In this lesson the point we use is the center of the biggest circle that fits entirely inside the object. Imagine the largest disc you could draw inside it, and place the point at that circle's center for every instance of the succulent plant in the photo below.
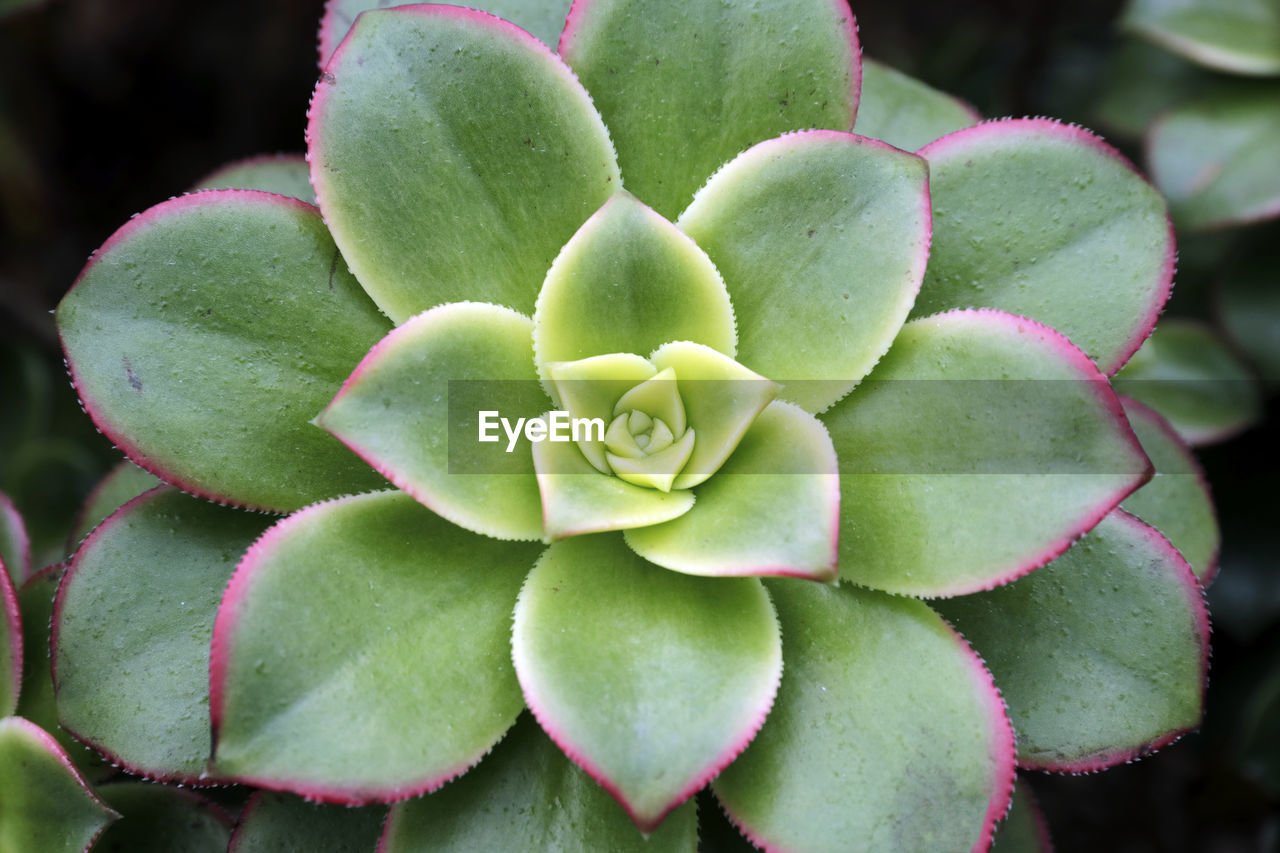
(819, 379)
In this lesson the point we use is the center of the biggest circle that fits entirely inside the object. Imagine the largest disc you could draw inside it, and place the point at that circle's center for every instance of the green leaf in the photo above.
(977, 450)
(822, 239)
(528, 796)
(886, 730)
(1177, 501)
(283, 174)
(205, 334)
(412, 408)
(47, 805)
(156, 819)
(10, 645)
(433, 200)
(685, 86)
(1140, 81)
(542, 18)
(1048, 221)
(36, 701)
(1239, 36)
(361, 652)
(1101, 655)
(1215, 159)
(905, 112)
(280, 823)
(628, 282)
(122, 484)
(650, 680)
(1186, 373)
(722, 399)
(1023, 829)
(15, 545)
(591, 387)
(132, 625)
(578, 499)
(773, 509)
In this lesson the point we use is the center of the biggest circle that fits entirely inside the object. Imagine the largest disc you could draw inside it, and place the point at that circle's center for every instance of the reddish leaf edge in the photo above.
(382, 466)
(646, 823)
(1037, 816)
(1004, 755)
(72, 569)
(1110, 401)
(13, 519)
(577, 10)
(1107, 759)
(46, 742)
(945, 145)
(1162, 423)
(118, 438)
(221, 649)
(13, 627)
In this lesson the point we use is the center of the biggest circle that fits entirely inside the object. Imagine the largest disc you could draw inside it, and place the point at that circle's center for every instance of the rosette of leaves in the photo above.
(833, 379)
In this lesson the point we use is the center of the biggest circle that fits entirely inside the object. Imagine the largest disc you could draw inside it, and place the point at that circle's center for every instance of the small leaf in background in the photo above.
(284, 174)
(122, 484)
(283, 823)
(1248, 307)
(10, 645)
(1023, 829)
(15, 545)
(1176, 501)
(47, 805)
(1239, 36)
(158, 819)
(1101, 655)
(904, 112)
(1215, 159)
(1186, 373)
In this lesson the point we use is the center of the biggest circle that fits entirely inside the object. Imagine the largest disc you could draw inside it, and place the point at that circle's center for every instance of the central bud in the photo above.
(648, 441)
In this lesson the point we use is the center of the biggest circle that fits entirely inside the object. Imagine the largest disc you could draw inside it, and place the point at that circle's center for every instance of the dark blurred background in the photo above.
(109, 106)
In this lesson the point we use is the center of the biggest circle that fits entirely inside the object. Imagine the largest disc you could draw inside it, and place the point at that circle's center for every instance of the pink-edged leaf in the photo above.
(887, 729)
(48, 806)
(1177, 501)
(1048, 221)
(528, 796)
(431, 199)
(121, 484)
(772, 509)
(651, 681)
(10, 645)
(131, 630)
(206, 333)
(684, 87)
(978, 449)
(1102, 655)
(1024, 829)
(15, 544)
(361, 652)
(822, 239)
(411, 409)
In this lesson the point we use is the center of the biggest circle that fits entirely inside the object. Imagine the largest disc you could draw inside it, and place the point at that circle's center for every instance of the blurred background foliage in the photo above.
(109, 107)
